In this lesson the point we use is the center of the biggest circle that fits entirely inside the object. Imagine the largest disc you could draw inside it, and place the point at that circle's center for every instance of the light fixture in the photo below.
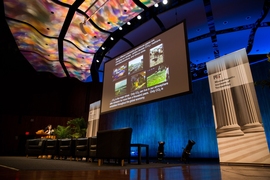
(103, 48)
(187, 150)
(111, 38)
(82, 28)
(139, 17)
(120, 28)
(87, 19)
(128, 23)
(160, 152)
(156, 5)
(165, 1)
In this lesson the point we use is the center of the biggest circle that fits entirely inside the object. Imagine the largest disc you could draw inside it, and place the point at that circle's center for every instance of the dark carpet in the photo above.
(34, 163)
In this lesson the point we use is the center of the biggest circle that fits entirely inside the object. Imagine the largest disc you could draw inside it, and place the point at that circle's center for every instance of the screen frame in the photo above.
(183, 22)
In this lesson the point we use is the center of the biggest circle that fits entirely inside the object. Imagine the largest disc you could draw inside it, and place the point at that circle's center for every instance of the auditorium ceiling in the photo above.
(73, 38)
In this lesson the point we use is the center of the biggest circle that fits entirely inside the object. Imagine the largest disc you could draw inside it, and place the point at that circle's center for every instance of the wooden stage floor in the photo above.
(191, 171)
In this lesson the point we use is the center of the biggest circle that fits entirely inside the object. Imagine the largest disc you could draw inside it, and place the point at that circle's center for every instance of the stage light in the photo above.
(139, 17)
(128, 23)
(187, 150)
(111, 38)
(156, 5)
(165, 1)
(160, 152)
(120, 28)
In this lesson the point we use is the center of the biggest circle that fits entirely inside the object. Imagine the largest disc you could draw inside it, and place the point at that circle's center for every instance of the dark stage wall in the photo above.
(179, 119)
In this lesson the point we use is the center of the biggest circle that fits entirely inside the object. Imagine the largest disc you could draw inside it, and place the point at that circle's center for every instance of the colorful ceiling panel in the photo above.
(115, 13)
(70, 2)
(89, 39)
(28, 39)
(47, 17)
(62, 37)
(95, 6)
(42, 64)
(78, 63)
(149, 3)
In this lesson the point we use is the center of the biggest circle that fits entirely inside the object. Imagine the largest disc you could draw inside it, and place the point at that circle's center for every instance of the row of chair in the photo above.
(62, 148)
(108, 144)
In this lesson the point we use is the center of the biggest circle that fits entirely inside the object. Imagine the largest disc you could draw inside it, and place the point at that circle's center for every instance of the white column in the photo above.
(226, 121)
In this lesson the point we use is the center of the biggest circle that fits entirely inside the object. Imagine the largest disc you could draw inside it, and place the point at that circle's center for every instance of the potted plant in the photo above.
(62, 132)
(77, 127)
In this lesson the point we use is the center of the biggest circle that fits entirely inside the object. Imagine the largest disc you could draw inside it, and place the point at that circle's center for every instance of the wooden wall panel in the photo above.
(14, 128)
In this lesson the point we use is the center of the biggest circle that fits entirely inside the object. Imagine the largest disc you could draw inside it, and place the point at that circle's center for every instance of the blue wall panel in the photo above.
(261, 71)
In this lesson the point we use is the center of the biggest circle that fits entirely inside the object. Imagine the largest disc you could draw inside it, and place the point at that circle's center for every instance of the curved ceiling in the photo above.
(71, 38)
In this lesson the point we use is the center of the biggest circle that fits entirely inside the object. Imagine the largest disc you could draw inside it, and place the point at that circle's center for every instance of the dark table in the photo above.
(139, 147)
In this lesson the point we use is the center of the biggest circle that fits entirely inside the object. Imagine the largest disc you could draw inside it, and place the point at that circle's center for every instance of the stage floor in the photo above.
(31, 169)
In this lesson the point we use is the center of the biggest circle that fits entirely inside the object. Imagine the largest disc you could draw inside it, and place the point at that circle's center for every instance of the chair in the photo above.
(66, 148)
(81, 148)
(113, 144)
(51, 148)
(35, 147)
(92, 148)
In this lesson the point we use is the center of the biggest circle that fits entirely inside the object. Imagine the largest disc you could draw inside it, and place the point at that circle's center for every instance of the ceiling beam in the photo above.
(63, 32)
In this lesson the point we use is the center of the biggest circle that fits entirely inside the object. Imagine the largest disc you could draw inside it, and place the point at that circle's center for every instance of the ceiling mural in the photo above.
(61, 37)
(72, 38)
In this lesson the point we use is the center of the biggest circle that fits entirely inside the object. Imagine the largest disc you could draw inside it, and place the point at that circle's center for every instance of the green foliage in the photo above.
(78, 127)
(62, 132)
(75, 128)
(156, 78)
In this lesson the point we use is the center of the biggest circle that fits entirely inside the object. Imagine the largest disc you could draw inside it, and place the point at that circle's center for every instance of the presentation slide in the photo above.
(156, 69)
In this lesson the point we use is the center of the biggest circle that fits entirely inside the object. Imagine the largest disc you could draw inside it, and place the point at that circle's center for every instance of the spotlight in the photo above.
(186, 151)
(156, 5)
(112, 38)
(160, 153)
(120, 28)
(128, 23)
(139, 17)
(165, 1)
